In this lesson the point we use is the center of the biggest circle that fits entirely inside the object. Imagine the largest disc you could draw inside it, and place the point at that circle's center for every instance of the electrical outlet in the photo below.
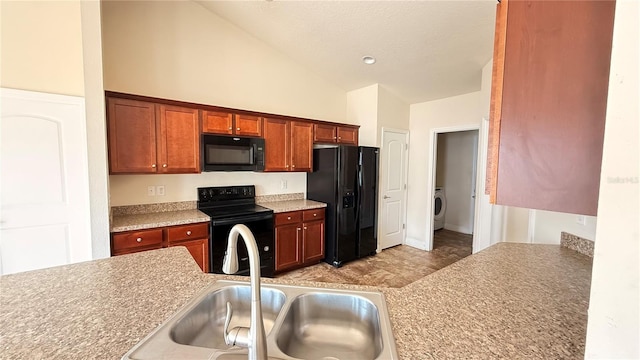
(151, 191)
(581, 219)
(283, 184)
(160, 190)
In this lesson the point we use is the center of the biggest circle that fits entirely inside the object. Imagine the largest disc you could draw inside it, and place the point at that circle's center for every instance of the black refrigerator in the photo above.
(346, 178)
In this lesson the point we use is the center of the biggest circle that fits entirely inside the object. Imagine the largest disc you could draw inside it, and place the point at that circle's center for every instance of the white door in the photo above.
(393, 180)
(44, 192)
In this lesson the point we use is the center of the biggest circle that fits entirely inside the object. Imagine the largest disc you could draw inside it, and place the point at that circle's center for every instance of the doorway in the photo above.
(456, 160)
(453, 169)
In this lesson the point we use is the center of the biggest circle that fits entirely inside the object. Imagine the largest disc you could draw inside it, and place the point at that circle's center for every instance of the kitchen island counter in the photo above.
(510, 301)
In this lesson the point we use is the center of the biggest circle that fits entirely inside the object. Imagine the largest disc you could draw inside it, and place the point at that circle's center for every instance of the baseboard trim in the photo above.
(457, 228)
(415, 243)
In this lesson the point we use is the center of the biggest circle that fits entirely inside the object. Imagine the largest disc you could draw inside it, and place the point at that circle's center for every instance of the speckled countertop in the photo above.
(137, 217)
(292, 205)
(508, 301)
(128, 222)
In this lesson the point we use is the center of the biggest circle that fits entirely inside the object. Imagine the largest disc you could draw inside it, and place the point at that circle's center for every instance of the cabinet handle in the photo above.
(139, 239)
(288, 217)
(299, 229)
(293, 166)
(188, 232)
(287, 166)
(164, 165)
(339, 137)
(238, 129)
(153, 165)
(266, 248)
(315, 214)
(230, 128)
(305, 228)
(335, 137)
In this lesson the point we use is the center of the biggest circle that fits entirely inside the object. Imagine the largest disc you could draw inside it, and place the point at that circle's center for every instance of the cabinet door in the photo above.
(179, 139)
(199, 249)
(347, 135)
(248, 125)
(132, 136)
(301, 146)
(276, 142)
(217, 122)
(313, 244)
(324, 133)
(549, 113)
(288, 242)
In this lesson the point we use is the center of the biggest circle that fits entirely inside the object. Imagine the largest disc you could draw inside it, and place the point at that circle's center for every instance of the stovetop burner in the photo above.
(229, 201)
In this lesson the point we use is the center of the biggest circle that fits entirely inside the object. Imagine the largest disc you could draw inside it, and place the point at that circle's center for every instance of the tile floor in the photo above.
(393, 267)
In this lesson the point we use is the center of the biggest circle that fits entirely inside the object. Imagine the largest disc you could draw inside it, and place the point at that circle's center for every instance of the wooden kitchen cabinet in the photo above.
(195, 237)
(149, 138)
(299, 238)
(333, 134)
(226, 123)
(548, 104)
(288, 145)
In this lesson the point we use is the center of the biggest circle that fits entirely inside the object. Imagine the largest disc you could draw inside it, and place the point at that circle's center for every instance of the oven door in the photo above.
(262, 228)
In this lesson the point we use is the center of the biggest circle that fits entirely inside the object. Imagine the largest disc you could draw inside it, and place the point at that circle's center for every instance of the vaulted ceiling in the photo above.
(425, 50)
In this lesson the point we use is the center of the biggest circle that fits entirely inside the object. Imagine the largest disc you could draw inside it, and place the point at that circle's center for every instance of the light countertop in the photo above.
(508, 301)
(147, 220)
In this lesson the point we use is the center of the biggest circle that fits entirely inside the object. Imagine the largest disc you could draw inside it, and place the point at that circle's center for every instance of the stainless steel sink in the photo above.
(331, 326)
(203, 324)
(300, 323)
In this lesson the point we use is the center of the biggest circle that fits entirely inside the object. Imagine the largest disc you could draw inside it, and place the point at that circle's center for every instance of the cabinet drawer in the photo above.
(187, 232)
(137, 239)
(288, 218)
(313, 214)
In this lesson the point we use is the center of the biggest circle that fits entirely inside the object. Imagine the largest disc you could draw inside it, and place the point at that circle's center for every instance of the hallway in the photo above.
(393, 267)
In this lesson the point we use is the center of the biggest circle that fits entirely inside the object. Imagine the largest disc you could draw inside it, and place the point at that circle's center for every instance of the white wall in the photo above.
(450, 113)
(132, 189)
(55, 47)
(393, 113)
(179, 50)
(613, 328)
(42, 46)
(182, 51)
(362, 109)
(549, 225)
(456, 151)
(96, 129)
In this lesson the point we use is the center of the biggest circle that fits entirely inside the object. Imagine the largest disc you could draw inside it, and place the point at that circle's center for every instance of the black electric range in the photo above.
(231, 205)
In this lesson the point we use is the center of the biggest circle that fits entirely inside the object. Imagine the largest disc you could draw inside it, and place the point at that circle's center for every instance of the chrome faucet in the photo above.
(253, 337)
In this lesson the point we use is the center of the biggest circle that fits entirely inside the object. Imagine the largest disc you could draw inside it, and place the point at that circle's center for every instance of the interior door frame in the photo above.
(383, 172)
(431, 174)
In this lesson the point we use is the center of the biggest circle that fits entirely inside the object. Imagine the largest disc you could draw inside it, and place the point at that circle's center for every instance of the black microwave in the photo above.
(232, 153)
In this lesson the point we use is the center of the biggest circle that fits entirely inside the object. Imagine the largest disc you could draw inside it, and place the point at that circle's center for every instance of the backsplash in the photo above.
(573, 242)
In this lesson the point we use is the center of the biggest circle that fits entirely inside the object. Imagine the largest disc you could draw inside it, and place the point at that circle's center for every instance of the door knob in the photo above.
(386, 197)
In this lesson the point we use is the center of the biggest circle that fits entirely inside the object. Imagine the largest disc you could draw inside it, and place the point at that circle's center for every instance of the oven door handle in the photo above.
(240, 219)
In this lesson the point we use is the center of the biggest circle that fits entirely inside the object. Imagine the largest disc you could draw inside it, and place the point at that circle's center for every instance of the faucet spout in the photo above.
(256, 340)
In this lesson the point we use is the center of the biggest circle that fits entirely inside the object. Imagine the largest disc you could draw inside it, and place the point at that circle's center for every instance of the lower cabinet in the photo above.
(195, 237)
(299, 238)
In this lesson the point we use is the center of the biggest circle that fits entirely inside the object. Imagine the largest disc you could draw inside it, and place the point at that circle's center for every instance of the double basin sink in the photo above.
(300, 323)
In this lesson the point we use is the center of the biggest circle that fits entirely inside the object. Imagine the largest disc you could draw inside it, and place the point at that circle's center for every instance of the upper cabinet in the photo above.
(226, 123)
(548, 103)
(332, 134)
(150, 135)
(288, 145)
(152, 138)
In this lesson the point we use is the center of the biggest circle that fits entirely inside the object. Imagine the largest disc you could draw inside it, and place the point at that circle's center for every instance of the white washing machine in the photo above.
(440, 207)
